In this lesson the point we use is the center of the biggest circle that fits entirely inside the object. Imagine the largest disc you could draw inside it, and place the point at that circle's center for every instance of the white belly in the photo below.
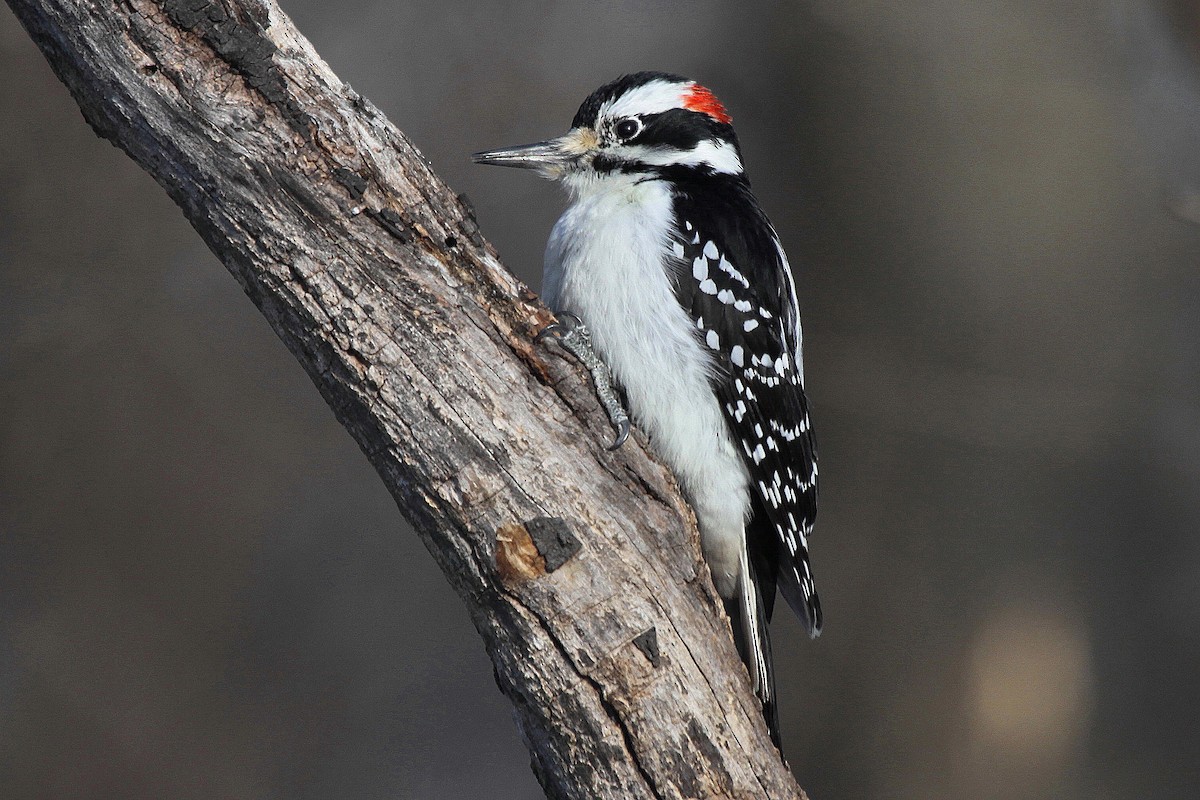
(604, 263)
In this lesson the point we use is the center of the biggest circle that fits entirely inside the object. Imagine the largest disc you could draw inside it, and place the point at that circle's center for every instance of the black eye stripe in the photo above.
(677, 128)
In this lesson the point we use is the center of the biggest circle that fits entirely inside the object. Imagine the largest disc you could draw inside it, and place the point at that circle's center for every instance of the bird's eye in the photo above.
(628, 128)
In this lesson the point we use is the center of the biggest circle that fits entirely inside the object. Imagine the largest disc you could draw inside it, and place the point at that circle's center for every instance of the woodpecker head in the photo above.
(649, 124)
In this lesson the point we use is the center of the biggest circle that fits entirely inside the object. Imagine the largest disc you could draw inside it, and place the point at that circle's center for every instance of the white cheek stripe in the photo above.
(717, 155)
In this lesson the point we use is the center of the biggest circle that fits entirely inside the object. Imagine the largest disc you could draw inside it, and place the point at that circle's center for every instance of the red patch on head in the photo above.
(698, 98)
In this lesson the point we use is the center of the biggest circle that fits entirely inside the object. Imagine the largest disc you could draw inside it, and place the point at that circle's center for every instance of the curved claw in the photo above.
(573, 336)
(553, 329)
(559, 330)
(622, 433)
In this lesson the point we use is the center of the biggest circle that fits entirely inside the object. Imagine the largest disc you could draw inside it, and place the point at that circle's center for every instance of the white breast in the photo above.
(605, 264)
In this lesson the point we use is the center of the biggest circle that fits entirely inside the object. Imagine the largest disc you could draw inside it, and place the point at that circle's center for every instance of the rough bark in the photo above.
(580, 567)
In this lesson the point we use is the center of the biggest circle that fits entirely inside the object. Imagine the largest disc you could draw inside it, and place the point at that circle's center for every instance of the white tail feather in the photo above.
(754, 630)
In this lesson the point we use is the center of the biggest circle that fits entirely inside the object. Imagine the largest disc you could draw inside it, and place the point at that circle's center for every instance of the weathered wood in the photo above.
(580, 567)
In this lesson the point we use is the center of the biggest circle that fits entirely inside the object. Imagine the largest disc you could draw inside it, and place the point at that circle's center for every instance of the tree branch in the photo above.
(580, 567)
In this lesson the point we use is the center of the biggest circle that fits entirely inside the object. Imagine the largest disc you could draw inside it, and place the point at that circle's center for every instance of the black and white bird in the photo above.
(666, 266)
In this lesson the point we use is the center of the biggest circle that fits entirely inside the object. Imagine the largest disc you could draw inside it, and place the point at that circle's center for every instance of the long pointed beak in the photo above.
(548, 156)
(551, 158)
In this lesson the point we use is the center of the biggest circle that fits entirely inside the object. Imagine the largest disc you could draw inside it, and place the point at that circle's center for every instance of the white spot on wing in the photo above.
(732, 272)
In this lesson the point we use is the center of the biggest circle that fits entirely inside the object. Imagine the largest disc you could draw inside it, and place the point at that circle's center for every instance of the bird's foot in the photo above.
(574, 337)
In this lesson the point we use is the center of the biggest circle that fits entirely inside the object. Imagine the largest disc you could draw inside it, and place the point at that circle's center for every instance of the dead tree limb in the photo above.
(580, 567)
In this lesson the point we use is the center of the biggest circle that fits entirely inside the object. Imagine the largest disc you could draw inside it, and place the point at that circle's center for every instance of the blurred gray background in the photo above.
(992, 210)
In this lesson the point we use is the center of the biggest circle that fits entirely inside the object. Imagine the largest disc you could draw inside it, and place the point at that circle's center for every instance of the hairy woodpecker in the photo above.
(665, 263)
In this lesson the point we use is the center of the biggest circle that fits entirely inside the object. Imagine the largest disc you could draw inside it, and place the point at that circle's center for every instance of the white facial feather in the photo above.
(717, 155)
(654, 97)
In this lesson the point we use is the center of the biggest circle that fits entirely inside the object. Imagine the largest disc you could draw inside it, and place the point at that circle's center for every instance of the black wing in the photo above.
(733, 277)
